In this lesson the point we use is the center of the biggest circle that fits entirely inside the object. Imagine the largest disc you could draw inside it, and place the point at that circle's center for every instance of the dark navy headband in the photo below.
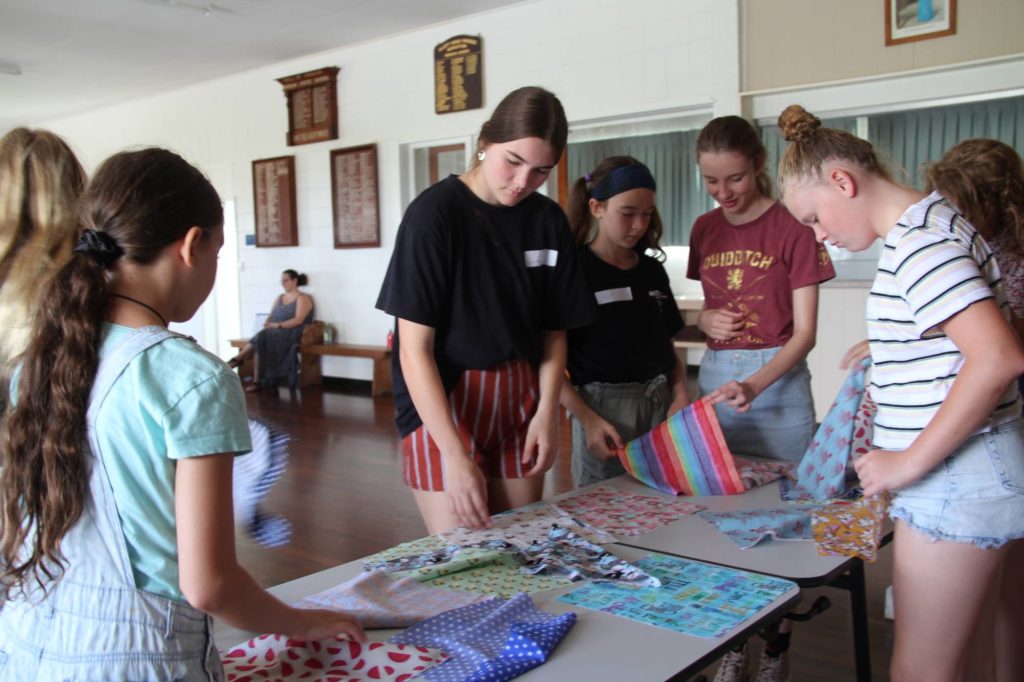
(623, 179)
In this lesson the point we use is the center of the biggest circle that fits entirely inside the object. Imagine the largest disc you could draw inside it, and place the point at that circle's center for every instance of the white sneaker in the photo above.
(734, 667)
(773, 669)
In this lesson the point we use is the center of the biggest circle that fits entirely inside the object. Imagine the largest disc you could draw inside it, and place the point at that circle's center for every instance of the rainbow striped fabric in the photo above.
(686, 454)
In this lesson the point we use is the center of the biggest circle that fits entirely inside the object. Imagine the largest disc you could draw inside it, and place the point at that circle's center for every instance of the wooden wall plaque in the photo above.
(458, 74)
(273, 185)
(354, 199)
(312, 105)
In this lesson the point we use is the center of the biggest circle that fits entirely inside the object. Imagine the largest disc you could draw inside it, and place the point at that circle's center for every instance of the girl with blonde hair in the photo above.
(948, 431)
(40, 179)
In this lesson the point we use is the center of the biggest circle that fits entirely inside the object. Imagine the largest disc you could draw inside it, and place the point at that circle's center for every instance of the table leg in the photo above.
(859, 608)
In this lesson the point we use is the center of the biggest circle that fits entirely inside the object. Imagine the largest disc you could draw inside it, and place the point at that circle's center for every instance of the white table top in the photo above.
(693, 537)
(600, 645)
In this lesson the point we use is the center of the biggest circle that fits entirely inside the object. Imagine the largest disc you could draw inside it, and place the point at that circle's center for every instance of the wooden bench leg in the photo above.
(381, 376)
(309, 370)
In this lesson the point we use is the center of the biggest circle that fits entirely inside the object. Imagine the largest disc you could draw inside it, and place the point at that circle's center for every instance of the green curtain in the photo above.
(912, 138)
(671, 158)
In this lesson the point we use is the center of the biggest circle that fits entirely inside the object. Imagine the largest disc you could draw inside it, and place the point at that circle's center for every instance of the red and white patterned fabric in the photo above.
(275, 657)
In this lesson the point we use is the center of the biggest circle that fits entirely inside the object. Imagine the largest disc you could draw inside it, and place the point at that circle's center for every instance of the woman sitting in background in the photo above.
(275, 346)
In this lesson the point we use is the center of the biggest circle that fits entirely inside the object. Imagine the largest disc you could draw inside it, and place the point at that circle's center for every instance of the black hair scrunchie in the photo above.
(100, 245)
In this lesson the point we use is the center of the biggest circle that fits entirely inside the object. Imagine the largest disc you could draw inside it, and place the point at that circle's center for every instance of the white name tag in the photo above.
(539, 257)
(613, 295)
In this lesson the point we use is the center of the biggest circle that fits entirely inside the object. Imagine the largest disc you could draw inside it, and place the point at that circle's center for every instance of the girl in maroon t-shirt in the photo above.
(760, 271)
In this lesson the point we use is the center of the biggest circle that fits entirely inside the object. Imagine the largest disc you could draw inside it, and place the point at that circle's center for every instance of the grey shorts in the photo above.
(633, 409)
(975, 495)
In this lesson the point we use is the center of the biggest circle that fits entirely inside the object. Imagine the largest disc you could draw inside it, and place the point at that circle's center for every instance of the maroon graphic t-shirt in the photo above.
(753, 269)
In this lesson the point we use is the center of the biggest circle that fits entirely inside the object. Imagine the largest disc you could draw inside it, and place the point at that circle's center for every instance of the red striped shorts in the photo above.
(492, 409)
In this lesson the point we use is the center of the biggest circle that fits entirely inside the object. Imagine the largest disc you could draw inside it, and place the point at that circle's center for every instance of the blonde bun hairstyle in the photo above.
(812, 145)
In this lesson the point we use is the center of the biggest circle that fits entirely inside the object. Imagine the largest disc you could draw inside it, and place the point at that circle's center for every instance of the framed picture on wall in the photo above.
(273, 189)
(910, 20)
(354, 197)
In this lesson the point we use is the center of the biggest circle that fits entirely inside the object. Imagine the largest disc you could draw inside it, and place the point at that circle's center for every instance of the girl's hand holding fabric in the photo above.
(737, 394)
(466, 490)
(886, 470)
(315, 624)
(541, 441)
(602, 438)
(855, 354)
(721, 324)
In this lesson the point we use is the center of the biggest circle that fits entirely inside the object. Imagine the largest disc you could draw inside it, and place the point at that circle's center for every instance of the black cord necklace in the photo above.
(144, 305)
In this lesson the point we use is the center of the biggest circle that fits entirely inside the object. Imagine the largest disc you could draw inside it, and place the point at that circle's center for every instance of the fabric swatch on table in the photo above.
(378, 601)
(566, 554)
(522, 527)
(254, 474)
(756, 473)
(686, 454)
(695, 598)
(479, 570)
(850, 528)
(492, 640)
(495, 573)
(276, 657)
(623, 513)
(747, 527)
(426, 545)
(822, 472)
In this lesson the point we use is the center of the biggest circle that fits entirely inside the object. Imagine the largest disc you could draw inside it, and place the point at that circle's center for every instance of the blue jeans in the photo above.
(780, 421)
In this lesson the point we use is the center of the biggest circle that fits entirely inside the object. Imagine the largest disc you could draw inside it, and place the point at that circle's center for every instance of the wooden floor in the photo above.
(343, 494)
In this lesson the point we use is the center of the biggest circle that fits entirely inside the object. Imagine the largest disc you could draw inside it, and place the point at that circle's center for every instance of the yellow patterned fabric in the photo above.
(850, 528)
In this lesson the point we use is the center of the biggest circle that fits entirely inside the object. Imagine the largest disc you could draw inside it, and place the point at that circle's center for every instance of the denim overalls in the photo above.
(94, 624)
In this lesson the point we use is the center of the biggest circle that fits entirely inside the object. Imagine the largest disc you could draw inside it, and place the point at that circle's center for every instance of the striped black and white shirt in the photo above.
(933, 265)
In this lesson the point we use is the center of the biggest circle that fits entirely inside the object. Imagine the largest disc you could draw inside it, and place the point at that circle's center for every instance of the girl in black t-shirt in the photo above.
(624, 373)
(483, 282)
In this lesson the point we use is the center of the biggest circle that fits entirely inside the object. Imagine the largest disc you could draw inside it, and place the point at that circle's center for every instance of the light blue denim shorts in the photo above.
(975, 495)
(780, 421)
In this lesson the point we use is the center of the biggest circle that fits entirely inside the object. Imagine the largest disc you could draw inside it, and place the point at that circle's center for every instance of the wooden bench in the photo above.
(311, 351)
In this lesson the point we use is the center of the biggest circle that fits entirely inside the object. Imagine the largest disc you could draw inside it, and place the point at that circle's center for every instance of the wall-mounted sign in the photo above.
(312, 105)
(273, 189)
(354, 197)
(459, 74)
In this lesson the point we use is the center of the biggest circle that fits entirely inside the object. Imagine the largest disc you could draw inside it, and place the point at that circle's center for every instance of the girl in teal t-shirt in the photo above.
(116, 555)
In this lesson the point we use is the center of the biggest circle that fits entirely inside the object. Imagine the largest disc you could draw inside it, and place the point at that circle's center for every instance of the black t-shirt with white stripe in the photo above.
(631, 339)
(489, 279)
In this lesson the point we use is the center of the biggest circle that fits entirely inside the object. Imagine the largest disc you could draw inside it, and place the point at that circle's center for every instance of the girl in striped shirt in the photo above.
(948, 430)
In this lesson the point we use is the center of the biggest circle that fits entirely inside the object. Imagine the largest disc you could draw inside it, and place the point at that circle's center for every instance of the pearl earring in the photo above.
(481, 155)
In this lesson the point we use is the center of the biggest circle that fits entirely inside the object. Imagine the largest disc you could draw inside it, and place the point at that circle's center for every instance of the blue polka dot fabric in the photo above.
(490, 641)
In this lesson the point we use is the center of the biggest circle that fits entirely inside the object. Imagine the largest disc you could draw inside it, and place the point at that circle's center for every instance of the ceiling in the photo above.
(77, 55)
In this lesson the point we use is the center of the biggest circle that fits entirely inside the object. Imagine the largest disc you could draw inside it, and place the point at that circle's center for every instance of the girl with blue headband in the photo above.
(625, 377)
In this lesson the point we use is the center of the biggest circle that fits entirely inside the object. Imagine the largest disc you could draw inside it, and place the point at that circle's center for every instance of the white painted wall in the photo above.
(608, 60)
(602, 57)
